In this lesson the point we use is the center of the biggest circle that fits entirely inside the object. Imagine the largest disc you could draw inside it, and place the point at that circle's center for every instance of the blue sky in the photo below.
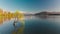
(30, 5)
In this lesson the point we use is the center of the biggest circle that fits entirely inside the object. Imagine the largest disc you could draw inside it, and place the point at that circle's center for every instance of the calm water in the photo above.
(34, 25)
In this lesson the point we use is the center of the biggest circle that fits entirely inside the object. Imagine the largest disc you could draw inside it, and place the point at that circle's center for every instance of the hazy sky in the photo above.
(30, 5)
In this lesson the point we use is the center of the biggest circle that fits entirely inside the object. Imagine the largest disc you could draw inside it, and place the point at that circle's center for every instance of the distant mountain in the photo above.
(41, 13)
(48, 13)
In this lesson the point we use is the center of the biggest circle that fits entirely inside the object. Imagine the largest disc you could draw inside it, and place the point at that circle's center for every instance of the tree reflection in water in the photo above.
(19, 30)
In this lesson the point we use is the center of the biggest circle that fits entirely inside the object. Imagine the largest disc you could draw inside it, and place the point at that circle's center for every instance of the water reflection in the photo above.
(50, 18)
(19, 30)
(3, 20)
(33, 25)
(42, 25)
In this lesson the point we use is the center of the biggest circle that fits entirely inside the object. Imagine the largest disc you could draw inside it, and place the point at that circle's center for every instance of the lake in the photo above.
(33, 25)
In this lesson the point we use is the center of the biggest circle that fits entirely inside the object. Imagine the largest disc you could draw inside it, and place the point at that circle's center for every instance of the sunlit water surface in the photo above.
(33, 25)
